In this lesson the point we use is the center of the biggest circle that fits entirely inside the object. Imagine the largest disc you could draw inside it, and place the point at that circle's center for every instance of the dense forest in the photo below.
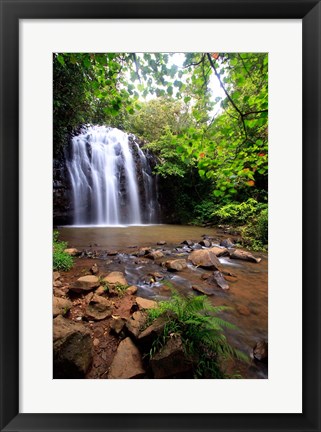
(212, 149)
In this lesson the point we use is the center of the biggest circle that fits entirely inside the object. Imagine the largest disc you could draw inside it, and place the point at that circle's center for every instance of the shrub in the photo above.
(195, 320)
(61, 260)
(238, 213)
(255, 234)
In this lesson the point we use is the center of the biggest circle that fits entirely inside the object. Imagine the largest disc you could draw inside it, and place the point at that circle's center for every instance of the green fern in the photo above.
(201, 331)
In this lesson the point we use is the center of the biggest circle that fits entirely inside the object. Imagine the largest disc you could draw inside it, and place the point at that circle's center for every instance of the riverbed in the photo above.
(247, 296)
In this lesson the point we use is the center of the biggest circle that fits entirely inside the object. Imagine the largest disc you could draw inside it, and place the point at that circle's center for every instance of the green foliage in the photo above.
(238, 213)
(197, 322)
(255, 233)
(61, 260)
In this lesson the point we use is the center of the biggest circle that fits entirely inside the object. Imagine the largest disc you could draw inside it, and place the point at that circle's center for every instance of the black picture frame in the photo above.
(11, 12)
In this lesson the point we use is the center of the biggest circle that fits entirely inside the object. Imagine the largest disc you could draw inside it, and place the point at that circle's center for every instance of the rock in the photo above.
(260, 351)
(204, 289)
(94, 269)
(99, 308)
(55, 275)
(147, 336)
(204, 258)
(176, 264)
(243, 310)
(142, 251)
(187, 242)
(196, 246)
(135, 323)
(227, 243)
(112, 252)
(60, 306)
(72, 251)
(60, 292)
(127, 362)
(161, 242)
(220, 281)
(57, 284)
(154, 255)
(116, 278)
(205, 243)
(132, 290)
(72, 349)
(85, 283)
(170, 360)
(100, 291)
(117, 325)
(219, 251)
(96, 342)
(245, 256)
(145, 303)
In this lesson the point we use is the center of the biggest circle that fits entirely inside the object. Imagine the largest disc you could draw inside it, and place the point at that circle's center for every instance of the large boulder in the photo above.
(99, 308)
(85, 283)
(176, 264)
(127, 362)
(116, 278)
(244, 255)
(204, 258)
(60, 306)
(171, 360)
(72, 349)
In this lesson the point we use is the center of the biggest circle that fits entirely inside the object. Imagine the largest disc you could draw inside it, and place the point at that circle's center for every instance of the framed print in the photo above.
(42, 43)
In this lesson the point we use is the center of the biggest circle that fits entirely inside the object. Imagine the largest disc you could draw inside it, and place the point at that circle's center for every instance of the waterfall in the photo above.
(111, 178)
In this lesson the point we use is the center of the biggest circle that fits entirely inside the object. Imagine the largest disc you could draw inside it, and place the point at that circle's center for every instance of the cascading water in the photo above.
(111, 178)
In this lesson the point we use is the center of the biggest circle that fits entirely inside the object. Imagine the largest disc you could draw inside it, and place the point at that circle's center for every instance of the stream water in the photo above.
(247, 296)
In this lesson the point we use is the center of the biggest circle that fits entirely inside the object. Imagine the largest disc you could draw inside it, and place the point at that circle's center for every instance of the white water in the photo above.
(104, 179)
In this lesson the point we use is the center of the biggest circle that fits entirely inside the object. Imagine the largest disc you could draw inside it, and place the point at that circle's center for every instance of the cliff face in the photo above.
(62, 194)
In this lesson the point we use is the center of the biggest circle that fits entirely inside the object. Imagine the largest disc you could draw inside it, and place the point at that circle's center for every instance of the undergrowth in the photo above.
(61, 260)
(196, 321)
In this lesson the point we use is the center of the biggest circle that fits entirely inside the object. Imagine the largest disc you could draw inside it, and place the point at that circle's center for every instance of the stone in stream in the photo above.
(207, 290)
(205, 243)
(99, 308)
(115, 278)
(243, 255)
(85, 283)
(260, 351)
(227, 243)
(176, 264)
(72, 348)
(154, 255)
(170, 360)
(220, 281)
(188, 242)
(204, 258)
(72, 251)
(60, 306)
(161, 242)
(219, 251)
(243, 310)
(127, 363)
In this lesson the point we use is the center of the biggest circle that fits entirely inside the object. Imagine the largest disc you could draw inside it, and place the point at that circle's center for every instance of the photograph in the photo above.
(160, 215)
